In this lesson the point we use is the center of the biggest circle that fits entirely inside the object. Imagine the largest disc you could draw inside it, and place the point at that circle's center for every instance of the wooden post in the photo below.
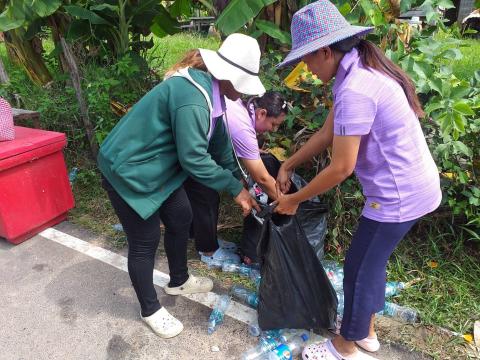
(75, 76)
(3, 73)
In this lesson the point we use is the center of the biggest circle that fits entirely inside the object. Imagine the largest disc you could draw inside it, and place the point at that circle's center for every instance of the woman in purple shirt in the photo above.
(244, 120)
(374, 131)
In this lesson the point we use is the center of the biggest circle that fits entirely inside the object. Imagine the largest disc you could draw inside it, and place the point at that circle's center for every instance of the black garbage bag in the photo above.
(311, 214)
(295, 292)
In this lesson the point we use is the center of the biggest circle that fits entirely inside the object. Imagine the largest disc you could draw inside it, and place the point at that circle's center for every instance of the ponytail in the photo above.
(374, 58)
(192, 58)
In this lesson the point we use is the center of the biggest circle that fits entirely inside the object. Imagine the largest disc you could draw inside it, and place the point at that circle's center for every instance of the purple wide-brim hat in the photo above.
(318, 25)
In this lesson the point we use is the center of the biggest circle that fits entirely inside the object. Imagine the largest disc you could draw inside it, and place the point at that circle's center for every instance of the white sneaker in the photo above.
(164, 324)
(192, 286)
(370, 344)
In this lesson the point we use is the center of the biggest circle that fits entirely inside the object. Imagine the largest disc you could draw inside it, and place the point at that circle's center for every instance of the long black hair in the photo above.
(373, 57)
(273, 102)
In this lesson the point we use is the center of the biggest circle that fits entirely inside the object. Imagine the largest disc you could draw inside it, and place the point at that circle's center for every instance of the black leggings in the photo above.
(205, 205)
(143, 237)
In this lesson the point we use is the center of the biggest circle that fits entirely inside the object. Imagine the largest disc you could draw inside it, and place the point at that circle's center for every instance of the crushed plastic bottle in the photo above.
(117, 227)
(265, 345)
(72, 175)
(218, 313)
(248, 297)
(392, 288)
(242, 269)
(403, 313)
(290, 349)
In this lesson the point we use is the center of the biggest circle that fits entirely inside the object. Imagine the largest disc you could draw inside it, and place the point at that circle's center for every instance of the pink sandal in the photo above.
(326, 351)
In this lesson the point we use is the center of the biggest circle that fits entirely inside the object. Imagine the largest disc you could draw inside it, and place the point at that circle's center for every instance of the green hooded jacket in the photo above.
(163, 140)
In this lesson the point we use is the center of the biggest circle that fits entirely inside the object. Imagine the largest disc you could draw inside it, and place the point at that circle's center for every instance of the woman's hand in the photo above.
(286, 205)
(245, 200)
(283, 180)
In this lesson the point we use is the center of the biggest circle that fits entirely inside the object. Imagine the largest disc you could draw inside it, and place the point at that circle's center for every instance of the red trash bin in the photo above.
(34, 189)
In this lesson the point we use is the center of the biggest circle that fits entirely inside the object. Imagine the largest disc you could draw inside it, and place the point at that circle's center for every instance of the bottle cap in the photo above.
(304, 337)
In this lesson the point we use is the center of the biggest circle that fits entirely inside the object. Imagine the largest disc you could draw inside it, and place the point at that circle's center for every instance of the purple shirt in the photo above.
(398, 175)
(241, 124)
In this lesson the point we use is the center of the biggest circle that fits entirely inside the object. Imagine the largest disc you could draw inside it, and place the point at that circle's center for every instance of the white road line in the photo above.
(236, 310)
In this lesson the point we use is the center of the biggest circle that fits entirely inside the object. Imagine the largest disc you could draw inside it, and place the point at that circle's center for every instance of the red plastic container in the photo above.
(34, 189)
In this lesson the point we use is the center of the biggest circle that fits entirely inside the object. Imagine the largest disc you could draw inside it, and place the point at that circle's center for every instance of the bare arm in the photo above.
(344, 158)
(315, 145)
(260, 174)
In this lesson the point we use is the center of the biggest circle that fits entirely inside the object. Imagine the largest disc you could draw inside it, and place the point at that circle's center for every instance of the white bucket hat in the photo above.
(238, 61)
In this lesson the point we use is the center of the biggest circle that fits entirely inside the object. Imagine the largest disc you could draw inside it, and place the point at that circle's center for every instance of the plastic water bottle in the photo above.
(393, 288)
(331, 265)
(336, 278)
(242, 269)
(403, 313)
(256, 277)
(72, 175)
(265, 345)
(257, 192)
(289, 350)
(218, 313)
(215, 263)
(341, 303)
(245, 295)
(254, 329)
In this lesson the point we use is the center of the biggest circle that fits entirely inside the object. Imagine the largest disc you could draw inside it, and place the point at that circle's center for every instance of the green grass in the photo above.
(465, 67)
(170, 49)
(448, 294)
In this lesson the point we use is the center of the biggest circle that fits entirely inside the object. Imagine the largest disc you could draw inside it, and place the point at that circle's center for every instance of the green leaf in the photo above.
(436, 84)
(446, 4)
(459, 122)
(463, 108)
(434, 106)
(78, 29)
(12, 18)
(82, 13)
(102, 7)
(181, 7)
(238, 13)
(44, 8)
(406, 5)
(345, 9)
(452, 54)
(274, 31)
(164, 24)
(461, 148)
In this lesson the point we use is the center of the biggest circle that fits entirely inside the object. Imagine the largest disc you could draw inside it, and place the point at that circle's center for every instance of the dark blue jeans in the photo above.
(365, 273)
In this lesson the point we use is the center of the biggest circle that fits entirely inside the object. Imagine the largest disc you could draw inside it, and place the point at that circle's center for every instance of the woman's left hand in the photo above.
(286, 205)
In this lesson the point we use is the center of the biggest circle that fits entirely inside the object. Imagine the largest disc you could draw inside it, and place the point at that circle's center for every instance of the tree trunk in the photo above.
(75, 76)
(59, 25)
(23, 52)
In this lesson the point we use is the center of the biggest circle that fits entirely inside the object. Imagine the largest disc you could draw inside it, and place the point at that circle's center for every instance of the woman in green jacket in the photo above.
(172, 134)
